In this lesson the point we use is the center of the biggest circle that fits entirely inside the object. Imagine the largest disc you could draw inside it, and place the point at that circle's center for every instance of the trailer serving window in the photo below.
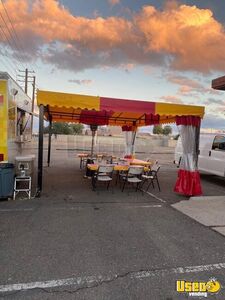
(23, 128)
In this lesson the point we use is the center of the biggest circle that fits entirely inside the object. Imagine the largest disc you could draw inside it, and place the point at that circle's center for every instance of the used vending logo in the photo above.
(198, 288)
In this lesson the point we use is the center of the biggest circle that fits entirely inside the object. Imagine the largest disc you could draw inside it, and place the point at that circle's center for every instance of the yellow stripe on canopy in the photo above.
(169, 109)
(53, 99)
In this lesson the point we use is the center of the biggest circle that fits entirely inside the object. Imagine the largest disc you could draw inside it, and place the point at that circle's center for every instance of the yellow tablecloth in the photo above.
(94, 167)
(139, 162)
(83, 155)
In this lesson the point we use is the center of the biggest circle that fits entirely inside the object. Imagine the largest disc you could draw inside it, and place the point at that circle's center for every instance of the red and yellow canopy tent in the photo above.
(129, 114)
(85, 109)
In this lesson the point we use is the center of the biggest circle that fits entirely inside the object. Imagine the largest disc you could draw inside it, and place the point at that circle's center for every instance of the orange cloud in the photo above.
(185, 81)
(183, 37)
(191, 35)
(81, 81)
(114, 2)
(184, 89)
(188, 86)
(172, 99)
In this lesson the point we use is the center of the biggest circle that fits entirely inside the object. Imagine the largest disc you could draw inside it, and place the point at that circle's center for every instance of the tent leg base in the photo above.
(38, 194)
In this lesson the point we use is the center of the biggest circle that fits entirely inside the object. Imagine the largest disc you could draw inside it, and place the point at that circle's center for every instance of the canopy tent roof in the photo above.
(63, 107)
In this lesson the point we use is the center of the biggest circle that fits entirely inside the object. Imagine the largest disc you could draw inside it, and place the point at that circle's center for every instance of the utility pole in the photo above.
(32, 108)
(25, 78)
(33, 94)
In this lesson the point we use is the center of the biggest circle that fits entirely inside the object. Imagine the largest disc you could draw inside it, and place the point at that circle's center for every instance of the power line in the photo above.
(7, 53)
(12, 44)
(4, 35)
(7, 62)
(14, 30)
(8, 67)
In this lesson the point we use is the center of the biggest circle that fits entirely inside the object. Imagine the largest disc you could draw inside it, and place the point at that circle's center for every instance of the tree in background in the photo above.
(158, 129)
(65, 128)
(76, 128)
(167, 130)
(61, 128)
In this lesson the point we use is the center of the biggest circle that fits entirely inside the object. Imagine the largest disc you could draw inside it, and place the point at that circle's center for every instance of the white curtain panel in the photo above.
(129, 142)
(188, 140)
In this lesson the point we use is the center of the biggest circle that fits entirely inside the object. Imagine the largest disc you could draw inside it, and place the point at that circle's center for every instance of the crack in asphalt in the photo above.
(91, 282)
(88, 286)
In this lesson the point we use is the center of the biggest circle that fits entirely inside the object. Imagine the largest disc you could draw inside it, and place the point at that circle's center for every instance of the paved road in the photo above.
(77, 244)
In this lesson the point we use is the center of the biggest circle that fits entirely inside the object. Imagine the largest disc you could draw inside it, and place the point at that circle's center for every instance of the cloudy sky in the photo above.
(166, 51)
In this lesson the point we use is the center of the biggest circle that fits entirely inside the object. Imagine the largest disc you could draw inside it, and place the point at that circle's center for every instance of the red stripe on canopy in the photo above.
(121, 105)
(129, 128)
(95, 117)
(188, 120)
(151, 119)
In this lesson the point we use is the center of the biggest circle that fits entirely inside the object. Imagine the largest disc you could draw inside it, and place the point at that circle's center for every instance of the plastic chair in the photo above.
(133, 176)
(103, 174)
(152, 176)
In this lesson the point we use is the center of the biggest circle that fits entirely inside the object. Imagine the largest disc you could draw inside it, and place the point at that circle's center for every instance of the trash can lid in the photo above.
(6, 165)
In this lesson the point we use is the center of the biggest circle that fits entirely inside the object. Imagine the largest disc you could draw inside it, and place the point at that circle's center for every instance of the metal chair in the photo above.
(24, 180)
(133, 176)
(151, 176)
(103, 174)
(108, 159)
(85, 160)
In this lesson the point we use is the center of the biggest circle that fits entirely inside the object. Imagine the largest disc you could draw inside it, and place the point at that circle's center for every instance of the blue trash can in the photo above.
(6, 180)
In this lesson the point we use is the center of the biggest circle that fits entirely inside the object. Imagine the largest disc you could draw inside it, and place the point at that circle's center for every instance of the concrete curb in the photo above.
(207, 210)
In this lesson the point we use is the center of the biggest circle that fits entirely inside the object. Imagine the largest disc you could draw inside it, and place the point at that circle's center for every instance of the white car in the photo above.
(211, 153)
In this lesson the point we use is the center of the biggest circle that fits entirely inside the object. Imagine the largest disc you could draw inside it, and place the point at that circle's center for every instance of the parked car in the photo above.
(211, 153)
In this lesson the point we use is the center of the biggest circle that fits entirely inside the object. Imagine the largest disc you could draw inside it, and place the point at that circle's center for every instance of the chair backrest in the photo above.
(89, 161)
(135, 170)
(107, 158)
(155, 167)
(105, 169)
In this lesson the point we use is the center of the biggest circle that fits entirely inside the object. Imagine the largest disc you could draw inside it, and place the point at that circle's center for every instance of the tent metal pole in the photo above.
(49, 140)
(40, 150)
(93, 128)
(134, 137)
(92, 142)
(197, 140)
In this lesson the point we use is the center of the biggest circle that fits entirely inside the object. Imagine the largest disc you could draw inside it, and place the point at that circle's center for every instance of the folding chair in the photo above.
(108, 159)
(133, 176)
(22, 181)
(103, 174)
(86, 160)
(152, 176)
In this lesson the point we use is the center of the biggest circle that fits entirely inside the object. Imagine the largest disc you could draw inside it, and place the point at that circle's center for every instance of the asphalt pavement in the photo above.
(73, 243)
